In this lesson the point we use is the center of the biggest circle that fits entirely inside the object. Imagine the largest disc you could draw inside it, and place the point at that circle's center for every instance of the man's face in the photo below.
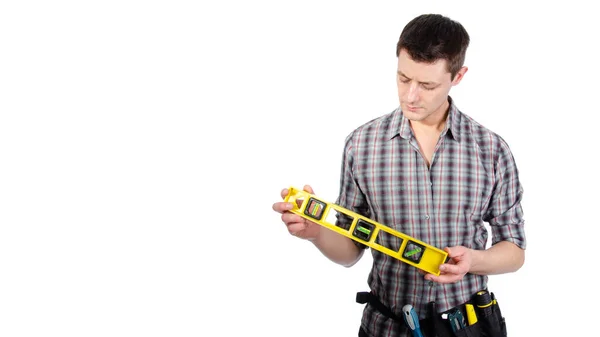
(423, 87)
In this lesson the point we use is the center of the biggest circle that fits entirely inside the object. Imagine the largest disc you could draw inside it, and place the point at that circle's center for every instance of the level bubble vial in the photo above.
(363, 230)
(315, 208)
(413, 252)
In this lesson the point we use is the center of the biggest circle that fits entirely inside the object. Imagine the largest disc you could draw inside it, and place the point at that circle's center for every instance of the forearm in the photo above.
(337, 247)
(503, 257)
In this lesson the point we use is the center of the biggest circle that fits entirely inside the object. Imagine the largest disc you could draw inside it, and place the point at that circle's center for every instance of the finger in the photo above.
(308, 189)
(443, 278)
(284, 193)
(282, 206)
(290, 218)
(295, 228)
(450, 268)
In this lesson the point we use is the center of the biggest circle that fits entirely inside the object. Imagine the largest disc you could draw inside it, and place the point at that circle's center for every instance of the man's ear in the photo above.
(459, 75)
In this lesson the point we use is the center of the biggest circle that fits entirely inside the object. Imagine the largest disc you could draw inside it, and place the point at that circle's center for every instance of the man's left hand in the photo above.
(456, 268)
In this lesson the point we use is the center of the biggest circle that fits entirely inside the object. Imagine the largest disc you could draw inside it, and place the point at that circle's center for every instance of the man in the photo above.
(433, 173)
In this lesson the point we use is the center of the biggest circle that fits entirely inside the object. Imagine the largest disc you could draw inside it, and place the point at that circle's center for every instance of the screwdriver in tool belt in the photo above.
(412, 320)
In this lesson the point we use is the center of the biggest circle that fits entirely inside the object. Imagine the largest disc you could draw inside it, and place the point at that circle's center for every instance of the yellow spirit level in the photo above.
(364, 230)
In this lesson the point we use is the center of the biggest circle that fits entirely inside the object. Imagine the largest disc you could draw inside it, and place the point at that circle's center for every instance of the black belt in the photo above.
(435, 326)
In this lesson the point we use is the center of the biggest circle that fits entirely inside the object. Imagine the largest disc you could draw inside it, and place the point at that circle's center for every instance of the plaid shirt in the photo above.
(473, 178)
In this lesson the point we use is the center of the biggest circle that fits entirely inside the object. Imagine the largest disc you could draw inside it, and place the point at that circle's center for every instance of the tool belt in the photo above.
(485, 320)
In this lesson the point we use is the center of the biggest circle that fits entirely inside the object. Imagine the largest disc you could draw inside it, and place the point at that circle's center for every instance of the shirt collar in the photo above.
(400, 125)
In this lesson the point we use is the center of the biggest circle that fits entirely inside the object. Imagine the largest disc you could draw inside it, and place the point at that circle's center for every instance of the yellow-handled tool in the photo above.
(471, 316)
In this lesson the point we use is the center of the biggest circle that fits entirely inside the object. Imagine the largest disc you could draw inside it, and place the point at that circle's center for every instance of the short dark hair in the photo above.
(430, 37)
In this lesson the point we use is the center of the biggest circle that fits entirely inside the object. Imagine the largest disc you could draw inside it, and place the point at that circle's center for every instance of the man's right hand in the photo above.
(296, 225)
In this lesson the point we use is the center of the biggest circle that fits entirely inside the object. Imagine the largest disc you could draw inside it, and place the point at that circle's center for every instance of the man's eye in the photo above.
(404, 80)
(428, 87)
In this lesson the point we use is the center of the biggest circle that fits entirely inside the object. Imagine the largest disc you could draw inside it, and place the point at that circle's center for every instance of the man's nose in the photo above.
(412, 95)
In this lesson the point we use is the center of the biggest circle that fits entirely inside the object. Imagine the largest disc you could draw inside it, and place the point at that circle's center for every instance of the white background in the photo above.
(142, 144)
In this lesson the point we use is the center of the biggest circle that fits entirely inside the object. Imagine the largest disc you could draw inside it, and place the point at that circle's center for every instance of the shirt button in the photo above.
(427, 216)
(430, 183)
(430, 284)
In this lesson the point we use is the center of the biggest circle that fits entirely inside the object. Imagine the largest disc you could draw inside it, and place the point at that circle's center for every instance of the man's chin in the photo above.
(414, 116)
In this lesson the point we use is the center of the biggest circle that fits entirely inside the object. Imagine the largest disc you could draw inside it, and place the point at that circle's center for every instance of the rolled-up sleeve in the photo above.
(504, 213)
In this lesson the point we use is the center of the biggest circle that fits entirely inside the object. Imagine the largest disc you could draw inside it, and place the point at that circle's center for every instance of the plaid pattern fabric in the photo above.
(472, 179)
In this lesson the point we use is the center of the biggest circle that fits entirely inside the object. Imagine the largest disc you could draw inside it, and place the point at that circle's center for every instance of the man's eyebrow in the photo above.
(401, 74)
(426, 83)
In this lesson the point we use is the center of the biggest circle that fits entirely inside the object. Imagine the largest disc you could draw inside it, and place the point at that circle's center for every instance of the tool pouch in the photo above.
(490, 323)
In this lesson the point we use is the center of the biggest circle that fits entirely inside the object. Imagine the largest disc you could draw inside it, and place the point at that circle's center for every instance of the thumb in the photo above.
(451, 252)
(308, 189)
(456, 251)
